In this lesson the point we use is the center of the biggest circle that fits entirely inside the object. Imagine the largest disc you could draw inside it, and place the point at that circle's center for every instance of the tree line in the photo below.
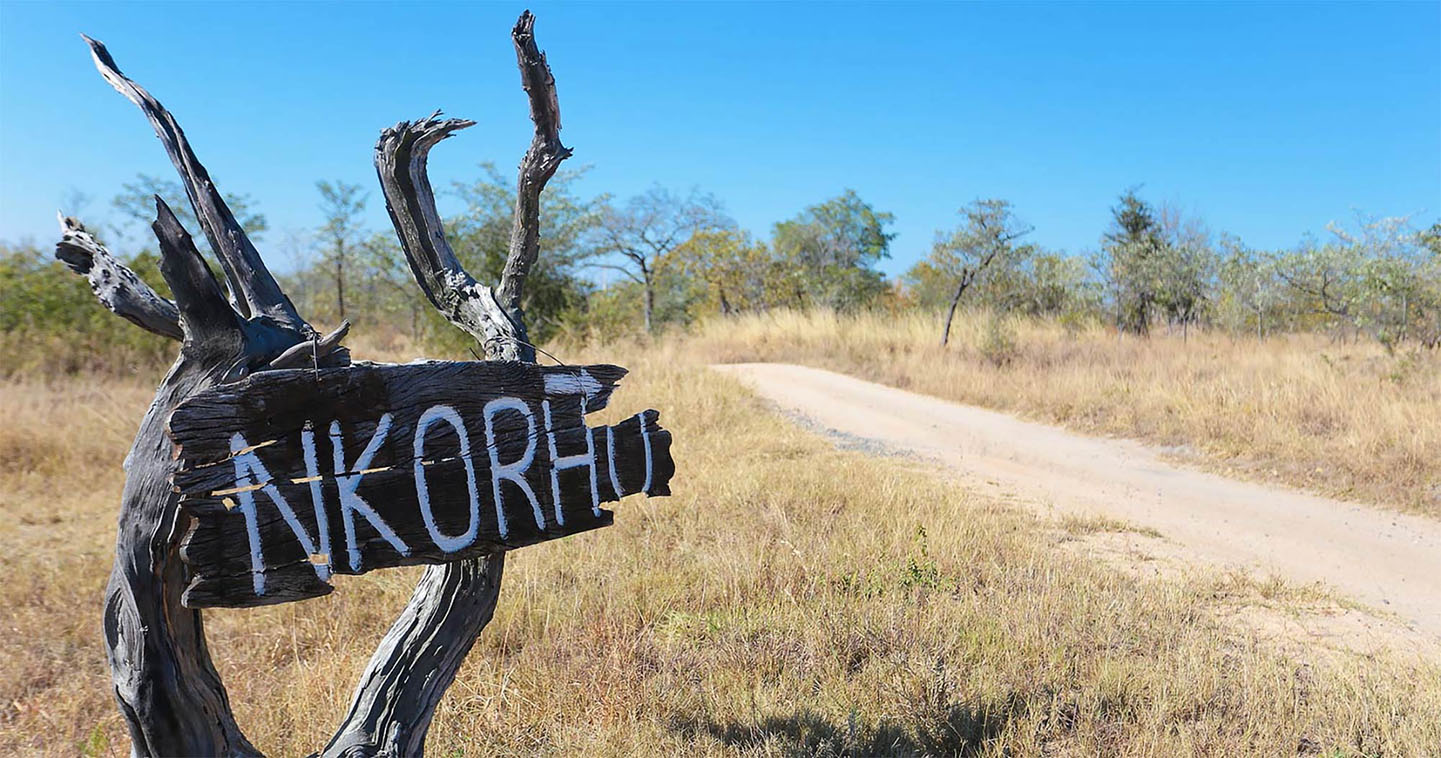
(666, 258)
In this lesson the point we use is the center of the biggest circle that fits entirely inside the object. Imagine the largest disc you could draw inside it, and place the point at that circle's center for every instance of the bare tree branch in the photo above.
(114, 284)
(169, 692)
(633, 276)
(408, 674)
(537, 167)
(204, 312)
(400, 160)
(255, 290)
(311, 351)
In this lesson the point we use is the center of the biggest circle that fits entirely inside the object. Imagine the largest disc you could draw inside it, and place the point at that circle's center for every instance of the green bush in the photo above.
(50, 323)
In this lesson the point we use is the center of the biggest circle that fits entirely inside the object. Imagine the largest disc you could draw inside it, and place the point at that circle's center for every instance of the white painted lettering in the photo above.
(352, 503)
(317, 499)
(249, 471)
(610, 447)
(559, 464)
(582, 384)
(645, 440)
(515, 470)
(422, 490)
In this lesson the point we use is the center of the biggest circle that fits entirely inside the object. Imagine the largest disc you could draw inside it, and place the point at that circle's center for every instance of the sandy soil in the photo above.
(1387, 560)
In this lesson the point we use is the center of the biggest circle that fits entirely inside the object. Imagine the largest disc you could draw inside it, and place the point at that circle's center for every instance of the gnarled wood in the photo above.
(311, 351)
(255, 290)
(165, 683)
(400, 161)
(114, 284)
(536, 168)
(391, 710)
(168, 690)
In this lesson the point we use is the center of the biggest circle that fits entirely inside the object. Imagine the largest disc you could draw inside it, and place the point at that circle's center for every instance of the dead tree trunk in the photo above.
(169, 692)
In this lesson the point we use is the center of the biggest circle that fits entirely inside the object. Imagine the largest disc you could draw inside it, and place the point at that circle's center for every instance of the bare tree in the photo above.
(649, 226)
(169, 692)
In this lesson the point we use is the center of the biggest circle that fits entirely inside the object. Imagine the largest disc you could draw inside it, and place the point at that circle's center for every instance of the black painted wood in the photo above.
(268, 522)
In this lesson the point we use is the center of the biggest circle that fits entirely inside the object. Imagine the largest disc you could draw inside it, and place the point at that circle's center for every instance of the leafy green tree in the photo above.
(480, 234)
(728, 270)
(1398, 278)
(1377, 276)
(50, 322)
(1053, 284)
(980, 252)
(631, 239)
(833, 248)
(342, 205)
(1428, 313)
(1128, 261)
(1251, 294)
(136, 204)
(1325, 279)
(1184, 269)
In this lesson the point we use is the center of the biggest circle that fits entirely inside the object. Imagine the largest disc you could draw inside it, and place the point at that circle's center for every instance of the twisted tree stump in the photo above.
(169, 692)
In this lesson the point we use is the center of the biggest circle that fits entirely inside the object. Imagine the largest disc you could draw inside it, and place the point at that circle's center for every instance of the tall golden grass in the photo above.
(790, 599)
(1346, 419)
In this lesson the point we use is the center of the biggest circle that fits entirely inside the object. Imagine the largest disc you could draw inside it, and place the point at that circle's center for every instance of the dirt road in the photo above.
(1388, 560)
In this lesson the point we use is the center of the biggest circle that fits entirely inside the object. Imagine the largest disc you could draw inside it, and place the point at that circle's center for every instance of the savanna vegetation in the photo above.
(1315, 365)
(1344, 418)
(792, 598)
(671, 259)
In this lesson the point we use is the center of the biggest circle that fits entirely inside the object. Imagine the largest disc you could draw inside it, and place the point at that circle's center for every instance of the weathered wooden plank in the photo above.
(293, 476)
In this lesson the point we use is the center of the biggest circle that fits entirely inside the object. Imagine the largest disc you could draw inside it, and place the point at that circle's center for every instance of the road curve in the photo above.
(1385, 559)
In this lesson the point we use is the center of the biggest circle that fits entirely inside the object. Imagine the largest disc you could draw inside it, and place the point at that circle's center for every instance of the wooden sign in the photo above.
(295, 475)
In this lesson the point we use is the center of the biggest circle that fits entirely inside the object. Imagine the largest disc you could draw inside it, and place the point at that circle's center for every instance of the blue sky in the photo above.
(1267, 120)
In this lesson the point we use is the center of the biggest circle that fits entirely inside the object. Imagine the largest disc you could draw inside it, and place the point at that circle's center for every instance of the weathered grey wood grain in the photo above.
(168, 690)
(391, 710)
(114, 284)
(255, 290)
(540, 163)
(273, 406)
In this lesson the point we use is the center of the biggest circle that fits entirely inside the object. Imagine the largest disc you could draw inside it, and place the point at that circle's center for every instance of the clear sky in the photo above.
(1268, 120)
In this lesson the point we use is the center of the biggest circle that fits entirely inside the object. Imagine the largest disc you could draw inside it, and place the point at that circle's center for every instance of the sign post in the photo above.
(269, 461)
(293, 476)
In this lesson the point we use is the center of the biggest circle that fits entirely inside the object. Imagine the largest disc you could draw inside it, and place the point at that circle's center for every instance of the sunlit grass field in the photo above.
(790, 599)
(1341, 418)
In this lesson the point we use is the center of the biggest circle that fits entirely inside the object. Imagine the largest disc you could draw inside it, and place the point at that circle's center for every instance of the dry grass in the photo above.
(1342, 419)
(790, 599)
